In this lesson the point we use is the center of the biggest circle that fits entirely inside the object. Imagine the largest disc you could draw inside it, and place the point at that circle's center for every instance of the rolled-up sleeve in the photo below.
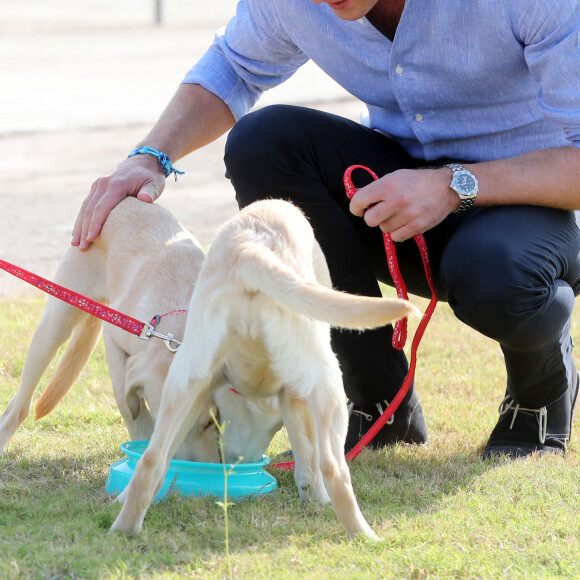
(249, 56)
(552, 52)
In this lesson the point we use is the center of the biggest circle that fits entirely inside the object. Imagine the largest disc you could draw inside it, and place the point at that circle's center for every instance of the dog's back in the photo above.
(144, 238)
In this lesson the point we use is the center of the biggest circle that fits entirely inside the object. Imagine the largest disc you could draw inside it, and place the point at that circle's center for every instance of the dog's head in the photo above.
(146, 375)
(250, 424)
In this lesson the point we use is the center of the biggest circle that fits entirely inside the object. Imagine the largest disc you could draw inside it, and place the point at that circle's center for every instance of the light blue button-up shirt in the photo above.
(464, 79)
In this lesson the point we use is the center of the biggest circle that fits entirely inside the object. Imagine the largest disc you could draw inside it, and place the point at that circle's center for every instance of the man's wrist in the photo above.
(464, 185)
(163, 159)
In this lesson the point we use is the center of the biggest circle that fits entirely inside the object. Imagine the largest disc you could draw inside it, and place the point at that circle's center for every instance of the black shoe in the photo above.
(407, 425)
(522, 431)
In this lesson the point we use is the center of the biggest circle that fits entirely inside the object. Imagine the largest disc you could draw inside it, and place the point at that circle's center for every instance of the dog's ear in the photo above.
(133, 397)
(137, 371)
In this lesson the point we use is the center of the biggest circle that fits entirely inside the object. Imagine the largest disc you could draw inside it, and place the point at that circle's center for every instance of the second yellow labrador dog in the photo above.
(260, 319)
(144, 263)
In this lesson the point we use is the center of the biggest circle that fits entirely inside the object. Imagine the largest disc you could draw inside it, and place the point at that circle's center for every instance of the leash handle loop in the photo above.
(399, 337)
(398, 340)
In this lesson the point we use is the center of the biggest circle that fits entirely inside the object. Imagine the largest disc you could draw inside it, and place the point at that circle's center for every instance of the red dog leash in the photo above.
(143, 330)
(400, 327)
(400, 332)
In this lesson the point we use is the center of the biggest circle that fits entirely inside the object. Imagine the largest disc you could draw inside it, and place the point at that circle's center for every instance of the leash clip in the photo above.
(171, 343)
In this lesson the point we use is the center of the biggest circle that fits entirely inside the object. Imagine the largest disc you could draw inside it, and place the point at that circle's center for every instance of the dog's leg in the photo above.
(331, 417)
(302, 434)
(56, 326)
(181, 405)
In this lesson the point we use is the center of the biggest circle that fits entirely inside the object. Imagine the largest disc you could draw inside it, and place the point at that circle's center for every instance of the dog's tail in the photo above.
(314, 300)
(82, 344)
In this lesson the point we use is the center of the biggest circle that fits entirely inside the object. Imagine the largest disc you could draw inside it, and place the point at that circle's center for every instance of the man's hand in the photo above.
(140, 176)
(193, 118)
(406, 202)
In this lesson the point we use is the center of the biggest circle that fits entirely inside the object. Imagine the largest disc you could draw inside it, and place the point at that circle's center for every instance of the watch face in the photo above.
(465, 183)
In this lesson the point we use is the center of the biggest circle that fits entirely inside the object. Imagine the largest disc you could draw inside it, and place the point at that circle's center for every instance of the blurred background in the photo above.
(81, 81)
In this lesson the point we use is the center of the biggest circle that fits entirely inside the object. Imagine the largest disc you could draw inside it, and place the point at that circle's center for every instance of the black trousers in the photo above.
(509, 272)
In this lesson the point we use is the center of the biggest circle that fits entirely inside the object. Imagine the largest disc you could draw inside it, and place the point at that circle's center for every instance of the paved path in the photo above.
(80, 85)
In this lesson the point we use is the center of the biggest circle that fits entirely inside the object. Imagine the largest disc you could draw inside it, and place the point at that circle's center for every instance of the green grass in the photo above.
(440, 511)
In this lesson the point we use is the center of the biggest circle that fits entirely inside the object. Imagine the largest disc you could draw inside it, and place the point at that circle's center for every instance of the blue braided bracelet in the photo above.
(163, 160)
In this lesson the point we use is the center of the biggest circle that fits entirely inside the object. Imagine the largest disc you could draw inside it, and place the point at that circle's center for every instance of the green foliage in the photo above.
(440, 511)
(225, 503)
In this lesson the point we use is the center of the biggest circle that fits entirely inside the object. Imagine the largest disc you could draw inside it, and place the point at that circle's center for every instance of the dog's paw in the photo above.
(124, 527)
(321, 495)
(368, 534)
(317, 493)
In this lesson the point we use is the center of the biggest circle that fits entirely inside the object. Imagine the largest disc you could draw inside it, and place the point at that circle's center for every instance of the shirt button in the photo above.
(399, 70)
(361, 20)
(419, 118)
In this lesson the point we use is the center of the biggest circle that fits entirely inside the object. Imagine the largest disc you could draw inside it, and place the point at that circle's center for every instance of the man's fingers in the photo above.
(84, 216)
(150, 191)
(134, 177)
(93, 220)
(358, 204)
(367, 197)
(77, 229)
(401, 234)
(104, 196)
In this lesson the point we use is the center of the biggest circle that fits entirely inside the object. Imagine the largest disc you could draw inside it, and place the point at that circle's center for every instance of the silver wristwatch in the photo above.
(464, 183)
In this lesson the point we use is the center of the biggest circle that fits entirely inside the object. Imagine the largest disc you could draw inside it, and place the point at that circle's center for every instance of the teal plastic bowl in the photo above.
(192, 478)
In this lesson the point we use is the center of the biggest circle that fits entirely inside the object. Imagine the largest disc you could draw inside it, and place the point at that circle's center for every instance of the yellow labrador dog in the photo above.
(144, 263)
(260, 319)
